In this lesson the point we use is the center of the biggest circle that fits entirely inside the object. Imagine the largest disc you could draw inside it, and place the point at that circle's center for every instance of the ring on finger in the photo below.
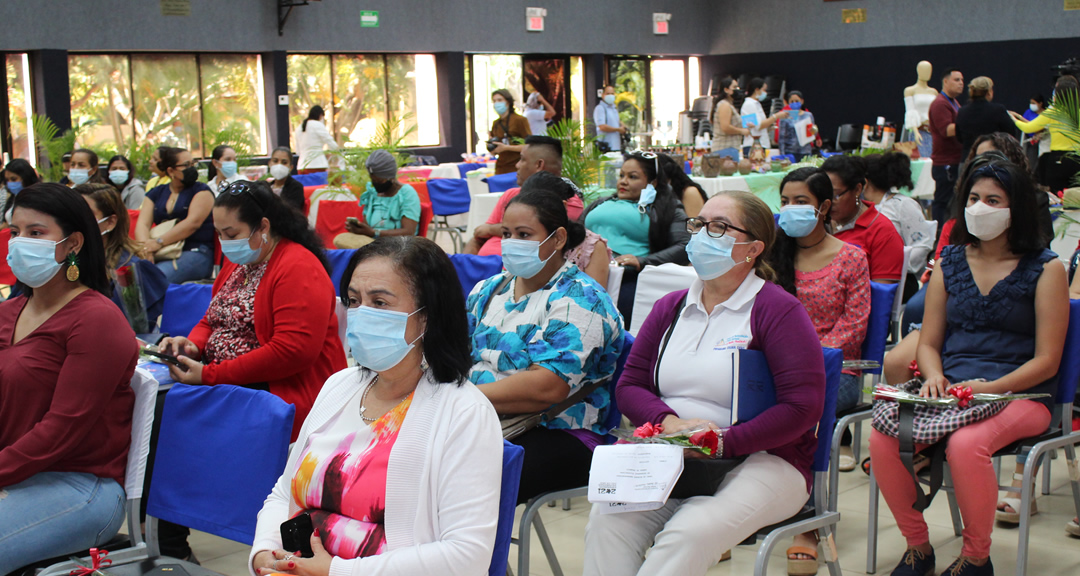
(273, 565)
(289, 556)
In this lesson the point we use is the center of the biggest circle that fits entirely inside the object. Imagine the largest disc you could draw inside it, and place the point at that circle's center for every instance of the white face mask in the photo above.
(986, 222)
(1034, 107)
(279, 171)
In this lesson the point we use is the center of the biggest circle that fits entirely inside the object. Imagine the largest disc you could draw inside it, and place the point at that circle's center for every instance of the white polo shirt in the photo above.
(694, 372)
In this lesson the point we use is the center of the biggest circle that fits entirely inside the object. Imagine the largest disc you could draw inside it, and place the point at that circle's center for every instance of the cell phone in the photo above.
(163, 356)
(296, 535)
(353, 220)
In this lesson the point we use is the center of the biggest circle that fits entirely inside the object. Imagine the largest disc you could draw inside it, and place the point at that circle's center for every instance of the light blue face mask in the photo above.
(522, 257)
(763, 96)
(500, 108)
(14, 187)
(33, 261)
(648, 196)
(118, 177)
(228, 168)
(610, 99)
(710, 256)
(240, 252)
(377, 337)
(78, 175)
(797, 221)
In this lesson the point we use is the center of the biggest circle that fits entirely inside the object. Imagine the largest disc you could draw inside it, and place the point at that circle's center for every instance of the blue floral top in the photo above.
(570, 327)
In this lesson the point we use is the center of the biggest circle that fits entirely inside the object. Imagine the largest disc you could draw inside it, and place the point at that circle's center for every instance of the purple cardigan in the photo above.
(782, 330)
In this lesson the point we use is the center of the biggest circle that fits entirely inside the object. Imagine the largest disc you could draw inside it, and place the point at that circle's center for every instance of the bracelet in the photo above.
(377, 233)
(719, 444)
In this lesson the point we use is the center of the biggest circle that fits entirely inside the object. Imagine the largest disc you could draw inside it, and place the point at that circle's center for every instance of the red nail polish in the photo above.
(316, 532)
(292, 565)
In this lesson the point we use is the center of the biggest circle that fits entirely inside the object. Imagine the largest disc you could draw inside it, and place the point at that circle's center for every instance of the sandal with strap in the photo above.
(1006, 517)
(1072, 528)
(802, 566)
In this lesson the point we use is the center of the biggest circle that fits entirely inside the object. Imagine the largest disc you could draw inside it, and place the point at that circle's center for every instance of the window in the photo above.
(650, 92)
(101, 102)
(695, 77)
(20, 107)
(490, 72)
(668, 99)
(359, 97)
(413, 93)
(233, 110)
(309, 85)
(631, 82)
(578, 97)
(167, 111)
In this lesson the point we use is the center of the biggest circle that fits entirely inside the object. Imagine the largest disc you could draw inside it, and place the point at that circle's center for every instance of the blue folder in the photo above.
(753, 390)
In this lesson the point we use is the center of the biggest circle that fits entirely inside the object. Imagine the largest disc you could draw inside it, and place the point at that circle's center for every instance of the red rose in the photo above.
(707, 439)
(648, 430)
(124, 277)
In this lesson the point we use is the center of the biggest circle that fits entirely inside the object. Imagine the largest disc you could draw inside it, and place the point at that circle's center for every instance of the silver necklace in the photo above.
(363, 400)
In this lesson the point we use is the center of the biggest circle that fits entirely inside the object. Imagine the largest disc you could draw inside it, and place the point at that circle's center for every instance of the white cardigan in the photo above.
(442, 482)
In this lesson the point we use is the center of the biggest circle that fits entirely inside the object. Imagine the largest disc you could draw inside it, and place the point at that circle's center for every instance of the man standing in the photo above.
(947, 151)
(606, 117)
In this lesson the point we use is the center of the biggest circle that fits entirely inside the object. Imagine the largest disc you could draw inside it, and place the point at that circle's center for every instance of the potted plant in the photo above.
(581, 157)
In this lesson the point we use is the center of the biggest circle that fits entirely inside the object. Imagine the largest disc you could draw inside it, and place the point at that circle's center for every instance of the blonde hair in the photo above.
(757, 219)
(980, 87)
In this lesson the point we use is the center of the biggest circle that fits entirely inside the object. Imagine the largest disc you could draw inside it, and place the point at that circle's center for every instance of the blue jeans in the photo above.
(850, 389)
(195, 264)
(57, 513)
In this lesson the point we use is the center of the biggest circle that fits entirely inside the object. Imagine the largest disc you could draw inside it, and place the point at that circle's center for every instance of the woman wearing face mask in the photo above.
(223, 168)
(1056, 169)
(886, 174)
(122, 176)
(759, 130)
(18, 175)
(390, 207)
(728, 130)
(257, 332)
(643, 222)
(159, 177)
(507, 128)
(187, 202)
(426, 504)
(282, 183)
(84, 168)
(541, 331)
(787, 139)
(732, 305)
(997, 309)
(114, 224)
(66, 359)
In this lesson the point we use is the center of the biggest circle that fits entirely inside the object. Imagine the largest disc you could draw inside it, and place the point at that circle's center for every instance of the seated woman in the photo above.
(282, 182)
(592, 256)
(160, 176)
(112, 220)
(390, 207)
(66, 360)
(885, 175)
(223, 169)
(690, 193)
(732, 305)
(272, 323)
(643, 223)
(997, 309)
(428, 504)
(84, 168)
(186, 203)
(18, 175)
(123, 178)
(542, 331)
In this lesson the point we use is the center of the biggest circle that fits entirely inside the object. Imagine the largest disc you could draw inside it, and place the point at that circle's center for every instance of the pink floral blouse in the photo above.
(837, 297)
(232, 315)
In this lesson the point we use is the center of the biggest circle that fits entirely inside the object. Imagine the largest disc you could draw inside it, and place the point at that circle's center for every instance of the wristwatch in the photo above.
(159, 241)
(377, 233)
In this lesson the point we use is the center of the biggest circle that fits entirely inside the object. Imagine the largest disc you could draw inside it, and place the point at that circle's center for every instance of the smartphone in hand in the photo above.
(160, 355)
(296, 535)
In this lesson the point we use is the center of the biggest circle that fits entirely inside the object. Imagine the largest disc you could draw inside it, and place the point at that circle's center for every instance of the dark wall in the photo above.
(855, 86)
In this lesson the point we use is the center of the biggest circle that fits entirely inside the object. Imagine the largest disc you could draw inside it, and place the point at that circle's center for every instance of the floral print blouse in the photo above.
(837, 297)
(232, 315)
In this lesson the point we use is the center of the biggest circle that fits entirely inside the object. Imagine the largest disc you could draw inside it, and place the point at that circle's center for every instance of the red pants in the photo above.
(968, 453)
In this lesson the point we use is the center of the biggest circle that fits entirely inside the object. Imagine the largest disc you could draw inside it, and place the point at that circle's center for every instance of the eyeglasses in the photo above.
(184, 165)
(841, 194)
(714, 228)
(240, 187)
(651, 156)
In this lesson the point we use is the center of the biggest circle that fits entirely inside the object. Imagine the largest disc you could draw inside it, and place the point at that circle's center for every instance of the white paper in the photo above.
(633, 477)
(801, 129)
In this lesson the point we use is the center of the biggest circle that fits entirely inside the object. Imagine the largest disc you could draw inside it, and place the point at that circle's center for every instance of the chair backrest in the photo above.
(472, 269)
(882, 297)
(330, 218)
(312, 179)
(426, 216)
(513, 457)
(1069, 370)
(185, 305)
(848, 137)
(614, 416)
(7, 277)
(145, 387)
(220, 450)
(614, 281)
(653, 283)
(449, 196)
(465, 167)
(834, 362)
(502, 182)
(314, 196)
(339, 259)
(133, 222)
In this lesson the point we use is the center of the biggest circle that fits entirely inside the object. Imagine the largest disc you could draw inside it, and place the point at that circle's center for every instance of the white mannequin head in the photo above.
(924, 69)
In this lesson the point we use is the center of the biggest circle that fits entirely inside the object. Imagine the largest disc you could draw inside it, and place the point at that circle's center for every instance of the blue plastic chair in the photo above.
(502, 182)
(339, 259)
(513, 458)
(472, 269)
(185, 305)
(449, 197)
(313, 179)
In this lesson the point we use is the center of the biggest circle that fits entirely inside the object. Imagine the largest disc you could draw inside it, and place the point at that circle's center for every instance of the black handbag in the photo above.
(703, 476)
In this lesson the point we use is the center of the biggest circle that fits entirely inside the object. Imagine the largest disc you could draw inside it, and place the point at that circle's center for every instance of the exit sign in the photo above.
(369, 18)
(534, 19)
(660, 23)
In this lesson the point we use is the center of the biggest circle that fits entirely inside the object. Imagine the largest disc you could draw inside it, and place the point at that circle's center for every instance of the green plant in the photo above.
(53, 144)
(581, 157)
(352, 176)
(1064, 115)
(237, 137)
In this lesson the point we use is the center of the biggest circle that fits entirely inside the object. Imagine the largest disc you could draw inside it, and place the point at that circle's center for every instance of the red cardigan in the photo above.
(296, 326)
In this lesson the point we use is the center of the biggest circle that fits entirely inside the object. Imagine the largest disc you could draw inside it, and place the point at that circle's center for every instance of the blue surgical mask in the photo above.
(797, 221)
(795, 106)
(78, 175)
(710, 256)
(763, 96)
(118, 177)
(240, 252)
(377, 337)
(648, 196)
(522, 257)
(500, 108)
(228, 168)
(14, 187)
(610, 99)
(33, 261)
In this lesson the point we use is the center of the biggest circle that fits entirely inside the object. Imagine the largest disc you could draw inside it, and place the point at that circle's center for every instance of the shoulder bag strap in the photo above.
(935, 453)
(667, 336)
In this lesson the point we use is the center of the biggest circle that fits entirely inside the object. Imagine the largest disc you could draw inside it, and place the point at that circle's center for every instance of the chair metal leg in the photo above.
(1046, 474)
(1074, 481)
(545, 543)
(824, 533)
(954, 510)
(856, 440)
(872, 526)
(566, 504)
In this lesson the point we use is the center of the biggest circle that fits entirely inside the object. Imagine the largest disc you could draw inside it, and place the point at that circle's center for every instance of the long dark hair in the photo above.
(1025, 235)
(72, 214)
(95, 162)
(546, 194)
(665, 204)
(782, 255)
(434, 284)
(107, 200)
(315, 113)
(255, 201)
(25, 172)
(130, 169)
(678, 179)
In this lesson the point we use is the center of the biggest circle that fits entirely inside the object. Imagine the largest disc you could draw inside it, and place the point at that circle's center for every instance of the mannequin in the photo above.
(917, 100)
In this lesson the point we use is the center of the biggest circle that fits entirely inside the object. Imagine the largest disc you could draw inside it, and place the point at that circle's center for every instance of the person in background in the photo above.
(858, 222)
(948, 152)
(282, 183)
(538, 111)
(592, 256)
(733, 302)
(312, 141)
(690, 193)
(390, 207)
(1057, 169)
(18, 175)
(1036, 144)
(160, 176)
(541, 331)
(188, 202)
(122, 176)
(885, 175)
(609, 128)
(65, 164)
(727, 124)
(508, 127)
(84, 168)
(428, 504)
(66, 360)
(223, 168)
(787, 138)
(981, 115)
(540, 154)
(759, 129)
(114, 223)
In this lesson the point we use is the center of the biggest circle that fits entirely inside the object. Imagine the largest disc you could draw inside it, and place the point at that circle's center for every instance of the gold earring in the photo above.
(73, 267)
(748, 259)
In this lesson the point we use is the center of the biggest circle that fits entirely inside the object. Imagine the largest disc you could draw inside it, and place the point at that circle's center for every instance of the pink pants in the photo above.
(968, 453)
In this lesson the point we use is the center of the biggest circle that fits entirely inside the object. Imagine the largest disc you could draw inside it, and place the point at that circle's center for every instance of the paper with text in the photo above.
(633, 477)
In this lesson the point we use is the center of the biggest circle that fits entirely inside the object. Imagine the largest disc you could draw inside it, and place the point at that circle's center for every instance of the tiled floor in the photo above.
(1052, 552)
